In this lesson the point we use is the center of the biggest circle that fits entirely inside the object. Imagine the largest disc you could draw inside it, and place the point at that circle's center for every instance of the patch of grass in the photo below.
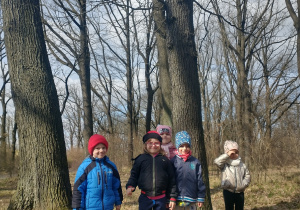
(7, 189)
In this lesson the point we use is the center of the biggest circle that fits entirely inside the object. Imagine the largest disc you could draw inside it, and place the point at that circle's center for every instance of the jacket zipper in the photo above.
(102, 185)
(105, 176)
(235, 179)
(153, 174)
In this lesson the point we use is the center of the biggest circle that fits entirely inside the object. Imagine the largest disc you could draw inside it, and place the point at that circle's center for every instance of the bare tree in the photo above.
(186, 98)
(241, 39)
(145, 49)
(68, 41)
(296, 20)
(3, 98)
(43, 173)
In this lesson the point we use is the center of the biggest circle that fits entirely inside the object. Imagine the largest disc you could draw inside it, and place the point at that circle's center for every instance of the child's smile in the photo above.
(184, 149)
(153, 146)
(99, 151)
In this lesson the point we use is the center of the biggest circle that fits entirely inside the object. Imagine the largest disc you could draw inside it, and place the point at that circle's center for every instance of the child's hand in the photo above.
(172, 205)
(118, 207)
(233, 154)
(200, 204)
(129, 190)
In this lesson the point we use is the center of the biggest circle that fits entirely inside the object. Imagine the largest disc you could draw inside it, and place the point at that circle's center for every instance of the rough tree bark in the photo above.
(165, 90)
(43, 171)
(186, 98)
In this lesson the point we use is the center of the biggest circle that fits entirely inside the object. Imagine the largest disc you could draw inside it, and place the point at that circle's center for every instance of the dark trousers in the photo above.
(233, 199)
(147, 204)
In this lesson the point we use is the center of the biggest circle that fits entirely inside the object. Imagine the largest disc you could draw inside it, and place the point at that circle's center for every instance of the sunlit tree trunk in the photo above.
(43, 171)
(186, 98)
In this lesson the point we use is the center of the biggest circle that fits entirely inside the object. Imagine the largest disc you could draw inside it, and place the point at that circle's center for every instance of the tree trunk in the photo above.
(165, 90)
(129, 87)
(85, 77)
(14, 140)
(43, 173)
(2, 129)
(296, 20)
(186, 98)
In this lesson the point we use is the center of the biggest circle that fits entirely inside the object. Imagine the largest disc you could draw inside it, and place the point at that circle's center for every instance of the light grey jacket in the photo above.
(235, 175)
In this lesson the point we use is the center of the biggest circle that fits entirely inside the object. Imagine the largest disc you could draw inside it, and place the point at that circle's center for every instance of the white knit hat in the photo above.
(229, 145)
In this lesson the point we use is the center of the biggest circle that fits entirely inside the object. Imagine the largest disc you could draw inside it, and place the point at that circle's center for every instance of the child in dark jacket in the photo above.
(190, 187)
(97, 183)
(153, 173)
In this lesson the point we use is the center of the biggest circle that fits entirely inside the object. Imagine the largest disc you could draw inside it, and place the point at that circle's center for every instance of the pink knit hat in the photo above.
(95, 140)
(164, 129)
(229, 145)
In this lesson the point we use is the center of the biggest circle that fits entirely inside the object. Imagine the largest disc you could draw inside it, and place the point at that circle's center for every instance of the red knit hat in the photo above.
(95, 140)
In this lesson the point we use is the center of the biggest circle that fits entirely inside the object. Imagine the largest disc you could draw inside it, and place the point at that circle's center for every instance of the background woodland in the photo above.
(217, 69)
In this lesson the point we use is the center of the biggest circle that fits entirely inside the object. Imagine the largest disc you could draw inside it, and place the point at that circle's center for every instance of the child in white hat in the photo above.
(235, 176)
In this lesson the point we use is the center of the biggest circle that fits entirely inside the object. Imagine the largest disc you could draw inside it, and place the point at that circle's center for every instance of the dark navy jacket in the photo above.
(97, 185)
(154, 175)
(190, 187)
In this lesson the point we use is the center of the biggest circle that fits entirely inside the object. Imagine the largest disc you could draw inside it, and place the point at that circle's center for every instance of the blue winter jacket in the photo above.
(189, 183)
(97, 185)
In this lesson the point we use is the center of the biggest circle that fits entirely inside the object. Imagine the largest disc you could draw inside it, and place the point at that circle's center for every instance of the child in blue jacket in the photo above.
(97, 183)
(190, 187)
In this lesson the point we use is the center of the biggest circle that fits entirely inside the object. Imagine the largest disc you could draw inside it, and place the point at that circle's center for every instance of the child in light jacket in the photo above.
(189, 183)
(235, 177)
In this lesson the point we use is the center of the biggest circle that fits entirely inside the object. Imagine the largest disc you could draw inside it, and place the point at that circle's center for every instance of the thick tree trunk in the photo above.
(165, 97)
(43, 171)
(186, 97)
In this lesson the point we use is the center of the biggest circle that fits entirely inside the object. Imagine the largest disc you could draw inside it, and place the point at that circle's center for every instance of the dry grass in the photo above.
(275, 189)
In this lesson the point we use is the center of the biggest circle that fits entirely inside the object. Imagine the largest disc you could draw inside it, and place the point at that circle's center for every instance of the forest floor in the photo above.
(274, 189)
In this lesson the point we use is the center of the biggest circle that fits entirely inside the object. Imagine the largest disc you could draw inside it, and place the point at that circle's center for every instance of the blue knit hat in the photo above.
(181, 138)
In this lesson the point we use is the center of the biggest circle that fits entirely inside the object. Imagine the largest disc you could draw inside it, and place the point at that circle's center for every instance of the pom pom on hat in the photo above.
(229, 145)
(152, 135)
(164, 129)
(95, 140)
(181, 138)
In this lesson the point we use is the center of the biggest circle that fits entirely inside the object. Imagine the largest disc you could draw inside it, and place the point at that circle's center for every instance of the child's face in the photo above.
(153, 146)
(184, 149)
(99, 151)
(166, 137)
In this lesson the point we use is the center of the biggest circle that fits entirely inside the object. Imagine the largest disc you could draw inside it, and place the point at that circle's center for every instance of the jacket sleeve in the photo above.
(221, 160)
(247, 177)
(201, 185)
(79, 189)
(171, 190)
(134, 174)
(117, 187)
